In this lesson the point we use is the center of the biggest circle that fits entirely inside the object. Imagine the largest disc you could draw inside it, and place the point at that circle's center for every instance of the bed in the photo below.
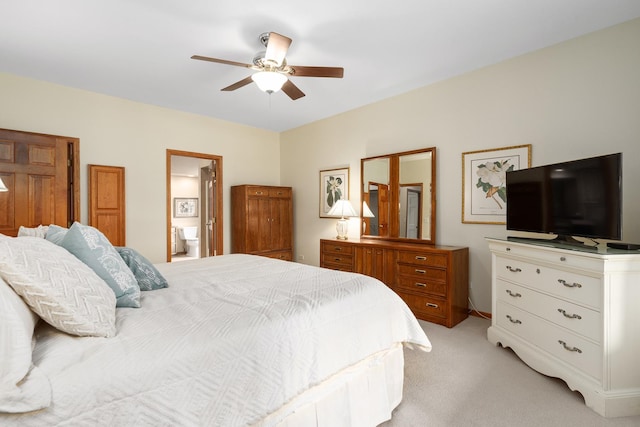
(231, 340)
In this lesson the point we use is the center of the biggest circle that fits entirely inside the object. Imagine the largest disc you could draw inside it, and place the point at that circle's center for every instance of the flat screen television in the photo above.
(576, 198)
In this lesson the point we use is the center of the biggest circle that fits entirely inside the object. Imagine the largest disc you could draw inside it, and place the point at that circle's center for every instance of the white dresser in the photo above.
(572, 314)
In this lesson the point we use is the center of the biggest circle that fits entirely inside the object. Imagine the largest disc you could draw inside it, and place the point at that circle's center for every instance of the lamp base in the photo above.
(342, 227)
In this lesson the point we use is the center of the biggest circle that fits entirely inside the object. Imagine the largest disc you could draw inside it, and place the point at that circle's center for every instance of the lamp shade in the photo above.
(366, 212)
(269, 81)
(2, 186)
(342, 208)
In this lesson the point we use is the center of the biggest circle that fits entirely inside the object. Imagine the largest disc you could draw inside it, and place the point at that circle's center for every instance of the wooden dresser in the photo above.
(571, 314)
(432, 280)
(262, 221)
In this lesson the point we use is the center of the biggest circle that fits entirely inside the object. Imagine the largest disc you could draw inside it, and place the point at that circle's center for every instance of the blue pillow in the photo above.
(94, 249)
(55, 233)
(147, 275)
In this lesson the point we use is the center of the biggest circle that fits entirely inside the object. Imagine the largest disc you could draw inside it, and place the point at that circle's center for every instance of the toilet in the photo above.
(191, 243)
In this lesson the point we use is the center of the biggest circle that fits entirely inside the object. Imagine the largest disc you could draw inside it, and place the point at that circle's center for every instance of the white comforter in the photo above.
(231, 340)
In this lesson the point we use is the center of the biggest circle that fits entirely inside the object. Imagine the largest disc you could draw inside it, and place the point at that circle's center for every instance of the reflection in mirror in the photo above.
(376, 190)
(398, 189)
(415, 196)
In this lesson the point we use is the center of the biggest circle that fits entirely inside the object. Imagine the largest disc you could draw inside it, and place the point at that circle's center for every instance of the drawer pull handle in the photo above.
(421, 285)
(513, 270)
(569, 285)
(421, 258)
(432, 305)
(566, 347)
(515, 295)
(337, 248)
(420, 271)
(569, 316)
(337, 259)
(259, 193)
(512, 320)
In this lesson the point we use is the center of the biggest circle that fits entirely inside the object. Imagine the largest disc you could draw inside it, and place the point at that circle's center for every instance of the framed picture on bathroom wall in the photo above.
(184, 207)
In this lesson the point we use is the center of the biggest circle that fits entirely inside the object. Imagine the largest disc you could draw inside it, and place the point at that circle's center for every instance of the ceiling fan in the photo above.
(273, 72)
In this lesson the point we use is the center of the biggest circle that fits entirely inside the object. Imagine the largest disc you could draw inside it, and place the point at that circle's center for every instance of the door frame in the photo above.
(218, 190)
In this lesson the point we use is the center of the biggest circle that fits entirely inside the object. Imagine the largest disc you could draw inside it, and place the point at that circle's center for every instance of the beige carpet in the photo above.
(467, 381)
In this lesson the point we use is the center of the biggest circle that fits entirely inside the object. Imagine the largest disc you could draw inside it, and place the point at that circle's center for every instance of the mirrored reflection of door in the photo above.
(379, 205)
(413, 214)
(410, 201)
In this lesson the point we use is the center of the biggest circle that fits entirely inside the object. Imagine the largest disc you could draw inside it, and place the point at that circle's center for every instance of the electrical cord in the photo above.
(476, 310)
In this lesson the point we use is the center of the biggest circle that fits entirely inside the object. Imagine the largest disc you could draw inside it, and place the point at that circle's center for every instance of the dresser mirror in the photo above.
(398, 196)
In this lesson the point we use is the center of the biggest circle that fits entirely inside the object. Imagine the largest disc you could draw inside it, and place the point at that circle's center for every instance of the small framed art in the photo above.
(484, 192)
(185, 207)
(334, 185)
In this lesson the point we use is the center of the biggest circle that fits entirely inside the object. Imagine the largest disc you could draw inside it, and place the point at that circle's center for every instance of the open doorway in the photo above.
(194, 205)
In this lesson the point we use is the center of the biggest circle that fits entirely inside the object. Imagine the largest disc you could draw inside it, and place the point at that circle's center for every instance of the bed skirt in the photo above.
(363, 395)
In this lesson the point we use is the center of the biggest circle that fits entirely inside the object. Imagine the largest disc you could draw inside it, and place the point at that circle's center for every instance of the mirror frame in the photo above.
(394, 196)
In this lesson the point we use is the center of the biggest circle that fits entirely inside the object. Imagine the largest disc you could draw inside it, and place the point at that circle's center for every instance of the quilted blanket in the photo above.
(231, 340)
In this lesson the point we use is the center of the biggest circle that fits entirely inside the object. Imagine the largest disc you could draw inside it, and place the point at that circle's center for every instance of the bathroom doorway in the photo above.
(194, 181)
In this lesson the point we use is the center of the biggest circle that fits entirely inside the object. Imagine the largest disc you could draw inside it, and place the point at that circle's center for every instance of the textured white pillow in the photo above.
(39, 231)
(59, 287)
(19, 392)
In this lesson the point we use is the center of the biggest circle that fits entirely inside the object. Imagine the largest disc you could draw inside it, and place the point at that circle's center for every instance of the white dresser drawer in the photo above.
(562, 258)
(571, 286)
(579, 319)
(559, 342)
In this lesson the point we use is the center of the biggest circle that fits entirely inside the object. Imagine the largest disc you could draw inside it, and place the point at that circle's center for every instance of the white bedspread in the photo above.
(230, 341)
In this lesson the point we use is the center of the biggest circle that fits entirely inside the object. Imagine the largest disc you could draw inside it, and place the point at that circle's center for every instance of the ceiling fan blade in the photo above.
(277, 47)
(292, 90)
(221, 61)
(237, 85)
(302, 71)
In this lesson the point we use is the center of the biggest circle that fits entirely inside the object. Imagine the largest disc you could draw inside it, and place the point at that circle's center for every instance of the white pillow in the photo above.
(59, 287)
(39, 231)
(20, 389)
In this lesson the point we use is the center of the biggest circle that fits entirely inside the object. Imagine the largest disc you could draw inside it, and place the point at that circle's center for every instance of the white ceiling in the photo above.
(140, 50)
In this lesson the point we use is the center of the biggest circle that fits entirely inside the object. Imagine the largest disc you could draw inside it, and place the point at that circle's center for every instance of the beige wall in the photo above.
(118, 132)
(576, 99)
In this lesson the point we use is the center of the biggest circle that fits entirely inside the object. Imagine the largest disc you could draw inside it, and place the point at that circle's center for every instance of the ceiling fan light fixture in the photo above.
(269, 81)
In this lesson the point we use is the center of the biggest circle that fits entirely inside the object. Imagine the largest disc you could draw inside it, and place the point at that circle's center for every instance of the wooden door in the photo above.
(107, 202)
(41, 173)
(258, 230)
(281, 223)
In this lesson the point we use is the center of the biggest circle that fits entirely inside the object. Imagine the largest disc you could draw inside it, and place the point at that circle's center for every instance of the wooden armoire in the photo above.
(262, 221)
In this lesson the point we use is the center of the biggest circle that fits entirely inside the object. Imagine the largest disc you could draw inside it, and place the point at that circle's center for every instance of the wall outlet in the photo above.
(300, 257)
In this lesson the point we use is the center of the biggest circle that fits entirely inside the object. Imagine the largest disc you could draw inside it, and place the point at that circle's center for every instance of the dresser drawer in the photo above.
(422, 258)
(280, 192)
(283, 255)
(337, 261)
(579, 319)
(424, 305)
(412, 284)
(337, 248)
(550, 255)
(574, 287)
(578, 352)
(422, 273)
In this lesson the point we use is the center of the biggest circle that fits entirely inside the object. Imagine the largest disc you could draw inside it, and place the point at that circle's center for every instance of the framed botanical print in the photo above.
(484, 192)
(334, 185)
(184, 207)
